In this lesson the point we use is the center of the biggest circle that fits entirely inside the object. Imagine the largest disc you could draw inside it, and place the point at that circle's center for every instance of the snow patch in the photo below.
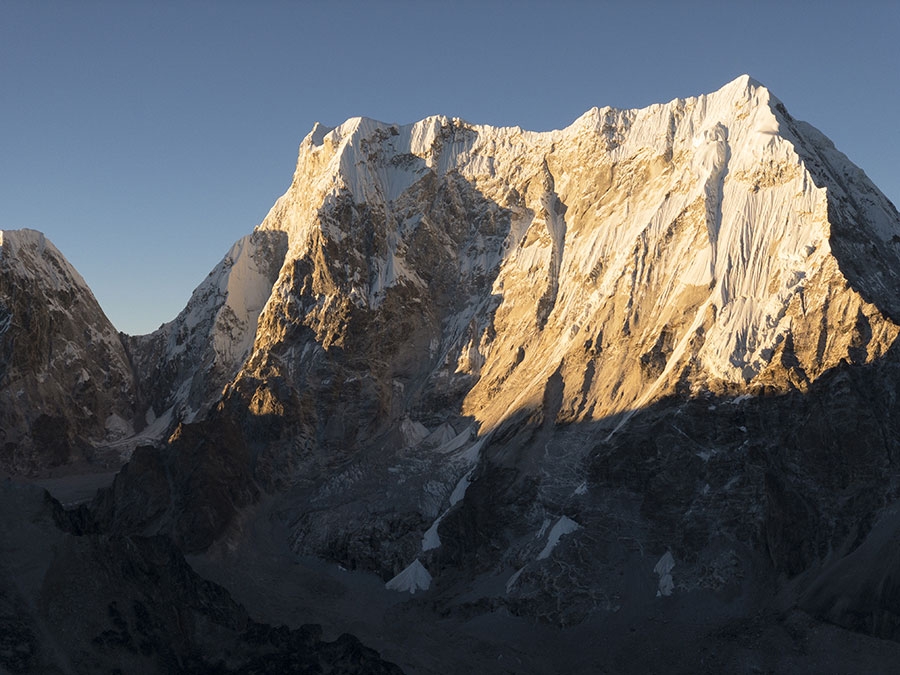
(513, 579)
(414, 578)
(563, 526)
(117, 428)
(431, 539)
(460, 490)
(664, 569)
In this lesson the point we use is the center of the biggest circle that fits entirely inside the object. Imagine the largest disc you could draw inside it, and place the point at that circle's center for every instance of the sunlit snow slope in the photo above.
(688, 245)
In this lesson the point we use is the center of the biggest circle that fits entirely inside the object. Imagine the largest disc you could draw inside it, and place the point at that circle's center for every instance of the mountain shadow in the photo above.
(773, 508)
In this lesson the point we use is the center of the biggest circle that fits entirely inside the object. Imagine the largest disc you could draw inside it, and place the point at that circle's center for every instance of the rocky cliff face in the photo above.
(694, 239)
(635, 343)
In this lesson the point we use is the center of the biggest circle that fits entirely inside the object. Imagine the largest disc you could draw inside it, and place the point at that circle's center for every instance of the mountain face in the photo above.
(641, 367)
(461, 299)
(73, 388)
(66, 383)
(183, 366)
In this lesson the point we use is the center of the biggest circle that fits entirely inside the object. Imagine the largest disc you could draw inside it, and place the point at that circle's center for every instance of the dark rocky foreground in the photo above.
(100, 603)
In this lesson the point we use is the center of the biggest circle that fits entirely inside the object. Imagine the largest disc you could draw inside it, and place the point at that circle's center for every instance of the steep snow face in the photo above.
(686, 244)
(185, 363)
(65, 380)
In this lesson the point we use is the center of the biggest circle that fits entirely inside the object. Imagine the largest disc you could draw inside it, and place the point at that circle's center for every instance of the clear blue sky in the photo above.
(145, 137)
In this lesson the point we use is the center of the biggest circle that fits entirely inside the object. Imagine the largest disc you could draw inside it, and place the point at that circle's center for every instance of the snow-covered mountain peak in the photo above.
(644, 229)
(33, 255)
(711, 235)
(742, 86)
(317, 135)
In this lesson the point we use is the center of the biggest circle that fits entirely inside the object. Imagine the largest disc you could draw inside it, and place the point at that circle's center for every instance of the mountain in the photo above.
(183, 366)
(634, 378)
(73, 389)
(459, 296)
(66, 384)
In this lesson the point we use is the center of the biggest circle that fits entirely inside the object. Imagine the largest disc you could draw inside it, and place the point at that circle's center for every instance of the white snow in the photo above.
(563, 526)
(431, 539)
(664, 569)
(444, 440)
(460, 490)
(246, 289)
(117, 428)
(34, 256)
(513, 579)
(152, 432)
(414, 578)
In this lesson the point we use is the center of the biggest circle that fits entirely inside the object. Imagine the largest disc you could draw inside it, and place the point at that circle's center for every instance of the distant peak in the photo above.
(24, 237)
(318, 133)
(745, 81)
(743, 86)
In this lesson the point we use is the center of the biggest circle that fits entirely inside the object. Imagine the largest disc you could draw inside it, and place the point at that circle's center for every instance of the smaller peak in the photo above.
(361, 122)
(747, 88)
(359, 127)
(430, 120)
(589, 120)
(319, 132)
(24, 237)
(745, 80)
(589, 116)
(743, 85)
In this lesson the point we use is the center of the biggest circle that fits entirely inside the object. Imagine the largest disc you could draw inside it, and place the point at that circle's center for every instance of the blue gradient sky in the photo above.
(145, 137)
